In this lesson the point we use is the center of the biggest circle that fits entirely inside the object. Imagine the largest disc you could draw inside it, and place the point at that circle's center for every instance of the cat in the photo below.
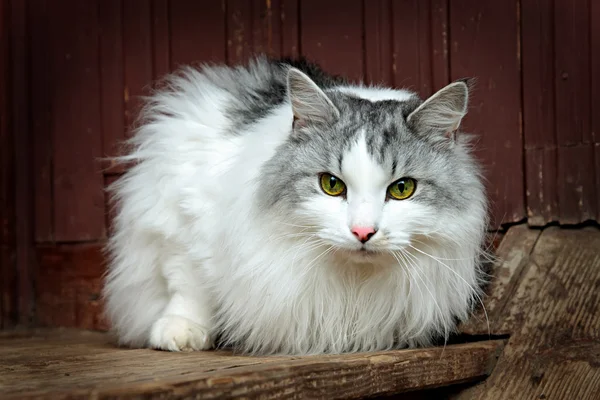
(276, 209)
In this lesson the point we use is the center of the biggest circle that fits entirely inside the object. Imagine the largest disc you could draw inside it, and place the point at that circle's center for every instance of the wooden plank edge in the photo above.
(336, 376)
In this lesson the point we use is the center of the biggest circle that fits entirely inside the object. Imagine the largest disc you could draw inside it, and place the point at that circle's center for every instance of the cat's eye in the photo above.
(332, 185)
(402, 189)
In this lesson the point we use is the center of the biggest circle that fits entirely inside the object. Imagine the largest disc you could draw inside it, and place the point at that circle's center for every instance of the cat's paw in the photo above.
(175, 333)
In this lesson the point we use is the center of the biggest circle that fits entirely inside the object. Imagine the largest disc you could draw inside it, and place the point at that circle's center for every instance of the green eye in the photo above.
(332, 185)
(402, 189)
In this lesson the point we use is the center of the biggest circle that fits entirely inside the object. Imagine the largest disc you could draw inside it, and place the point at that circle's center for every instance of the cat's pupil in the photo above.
(332, 182)
(401, 186)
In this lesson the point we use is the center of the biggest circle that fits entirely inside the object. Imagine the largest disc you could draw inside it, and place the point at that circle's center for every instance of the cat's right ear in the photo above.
(309, 103)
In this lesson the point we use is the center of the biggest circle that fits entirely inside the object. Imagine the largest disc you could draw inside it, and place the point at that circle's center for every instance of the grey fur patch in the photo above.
(448, 176)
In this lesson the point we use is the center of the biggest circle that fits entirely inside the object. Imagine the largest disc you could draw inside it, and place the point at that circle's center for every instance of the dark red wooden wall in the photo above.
(72, 72)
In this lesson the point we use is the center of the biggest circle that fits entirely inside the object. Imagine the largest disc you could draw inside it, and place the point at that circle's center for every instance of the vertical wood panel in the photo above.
(69, 285)
(576, 184)
(20, 126)
(595, 88)
(572, 24)
(539, 128)
(332, 34)
(286, 27)
(40, 48)
(138, 59)
(197, 32)
(542, 184)
(378, 42)
(76, 127)
(244, 27)
(484, 37)
(7, 240)
(160, 38)
(111, 75)
(412, 46)
(439, 43)
(577, 195)
(6, 144)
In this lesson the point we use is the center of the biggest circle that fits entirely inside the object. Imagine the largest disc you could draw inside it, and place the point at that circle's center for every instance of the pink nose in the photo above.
(363, 233)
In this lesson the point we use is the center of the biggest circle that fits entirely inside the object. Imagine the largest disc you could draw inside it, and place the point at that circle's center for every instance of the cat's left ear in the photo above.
(441, 114)
(309, 103)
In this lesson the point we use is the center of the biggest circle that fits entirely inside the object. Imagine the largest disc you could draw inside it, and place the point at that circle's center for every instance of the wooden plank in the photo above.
(243, 21)
(41, 120)
(77, 126)
(7, 237)
(513, 255)
(189, 42)
(111, 76)
(577, 194)
(160, 38)
(75, 365)
(595, 92)
(577, 198)
(537, 25)
(539, 127)
(572, 77)
(6, 144)
(378, 43)
(69, 281)
(597, 159)
(21, 126)
(336, 43)
(439, 43)
(484, 37)
(138, 59)
(286, 27)
(412, 51)
(542, 185)
(554, 323)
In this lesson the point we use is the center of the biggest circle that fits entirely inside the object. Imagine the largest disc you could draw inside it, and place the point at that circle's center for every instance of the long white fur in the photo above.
(192, 255)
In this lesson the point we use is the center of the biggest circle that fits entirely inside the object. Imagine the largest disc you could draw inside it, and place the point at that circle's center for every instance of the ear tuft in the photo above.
(309, 103)
(442, 113)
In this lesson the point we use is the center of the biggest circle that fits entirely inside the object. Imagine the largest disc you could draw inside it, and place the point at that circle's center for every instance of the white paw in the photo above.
(175, 333)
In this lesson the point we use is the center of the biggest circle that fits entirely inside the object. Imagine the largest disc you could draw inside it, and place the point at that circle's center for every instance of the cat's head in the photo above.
(373, 177)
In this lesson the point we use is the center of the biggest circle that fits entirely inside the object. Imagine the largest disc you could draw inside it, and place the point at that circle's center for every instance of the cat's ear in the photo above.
(441, 114)
(309, 103)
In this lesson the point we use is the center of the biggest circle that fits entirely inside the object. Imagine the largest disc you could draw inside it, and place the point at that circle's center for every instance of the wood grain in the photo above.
(484, 38)
(286, 27)
(138, 58)
(161, 44)
(197, 32)
(111, 77)
(332, 34)
(77, 126)
(83, 364)
(577, 195)
(513, 255)
(554, 323)
(379, 43)
(69, 282)
(42, 87)
(539, 127)
(7, 162)
(576, 184)
(23, 201)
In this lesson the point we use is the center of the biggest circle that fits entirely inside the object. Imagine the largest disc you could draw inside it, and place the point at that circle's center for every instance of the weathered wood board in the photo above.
(547, 298)
(81, 364)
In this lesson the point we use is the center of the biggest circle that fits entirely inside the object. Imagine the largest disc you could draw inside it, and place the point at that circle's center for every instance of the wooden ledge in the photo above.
(66, 364)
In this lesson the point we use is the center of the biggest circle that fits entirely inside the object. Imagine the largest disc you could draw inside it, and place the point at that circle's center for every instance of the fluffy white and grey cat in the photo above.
(282, 210)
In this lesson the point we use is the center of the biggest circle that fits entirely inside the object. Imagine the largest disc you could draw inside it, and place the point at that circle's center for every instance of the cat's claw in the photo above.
(175, 333)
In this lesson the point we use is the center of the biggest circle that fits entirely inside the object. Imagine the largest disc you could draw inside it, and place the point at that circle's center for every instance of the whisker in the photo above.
(463, 279)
